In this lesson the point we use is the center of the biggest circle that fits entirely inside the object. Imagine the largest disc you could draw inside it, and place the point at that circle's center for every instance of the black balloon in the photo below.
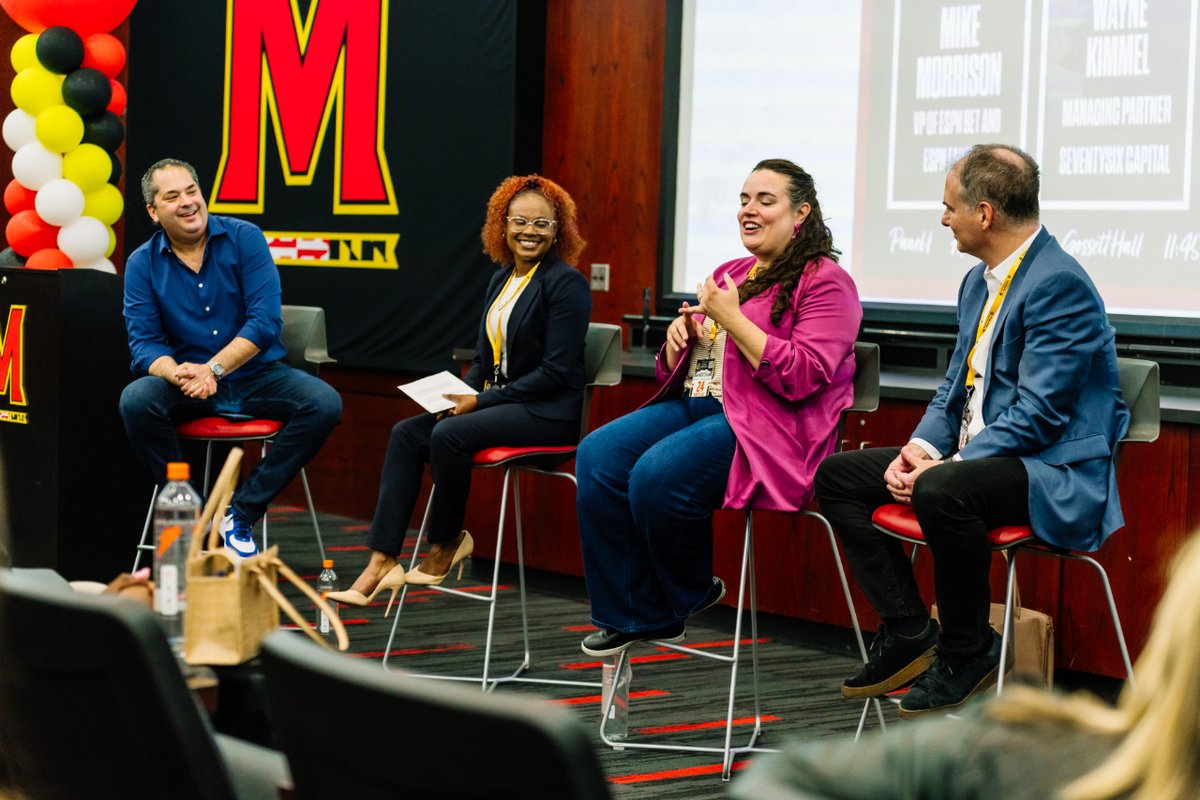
(87, 90)
(11, 258)
(104, 130)
(60, 49)
(116, 170)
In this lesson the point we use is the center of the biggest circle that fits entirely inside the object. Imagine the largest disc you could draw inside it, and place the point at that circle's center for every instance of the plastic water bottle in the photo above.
(326, 583)
(175, 515)
(615, 685)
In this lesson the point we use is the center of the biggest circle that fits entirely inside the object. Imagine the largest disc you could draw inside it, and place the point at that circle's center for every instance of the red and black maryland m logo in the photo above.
(12, 363)
(303, 75)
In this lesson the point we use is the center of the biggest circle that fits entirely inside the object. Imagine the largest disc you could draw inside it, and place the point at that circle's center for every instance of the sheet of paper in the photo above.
(427, 392)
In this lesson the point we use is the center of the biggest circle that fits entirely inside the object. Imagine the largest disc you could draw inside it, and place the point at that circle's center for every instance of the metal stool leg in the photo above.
(142, 545)
(1112, 608)
(264, 518)
(312, 512)
(858, 636)
(399, 606)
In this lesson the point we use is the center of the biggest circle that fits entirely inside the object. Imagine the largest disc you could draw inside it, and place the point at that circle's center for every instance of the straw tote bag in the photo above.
(234, 602)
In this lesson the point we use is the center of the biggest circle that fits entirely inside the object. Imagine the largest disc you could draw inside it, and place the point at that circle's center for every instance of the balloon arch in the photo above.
(64, 133)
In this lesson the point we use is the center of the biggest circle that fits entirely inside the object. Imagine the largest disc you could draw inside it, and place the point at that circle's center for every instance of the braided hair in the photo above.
(813, 240)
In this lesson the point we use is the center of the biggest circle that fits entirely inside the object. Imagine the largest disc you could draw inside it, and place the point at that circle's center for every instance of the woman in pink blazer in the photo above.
(754, 380)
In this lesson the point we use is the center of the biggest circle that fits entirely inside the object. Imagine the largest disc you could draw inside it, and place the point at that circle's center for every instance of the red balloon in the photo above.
(85, 17)
(104, 52)
(27, 233)
(49, 258)
(17, 198)
(117, 104)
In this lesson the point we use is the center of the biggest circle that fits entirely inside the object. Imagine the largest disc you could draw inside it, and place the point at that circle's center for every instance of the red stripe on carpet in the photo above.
(347, 622)
(595, 698)
(701, 726)
(344, 548)
(365, 527)
(686, 772)
(285, 509)
(579, 628)
(416, 651)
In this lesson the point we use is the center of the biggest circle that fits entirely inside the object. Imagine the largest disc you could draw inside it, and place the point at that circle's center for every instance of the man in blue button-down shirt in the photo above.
(202, 309)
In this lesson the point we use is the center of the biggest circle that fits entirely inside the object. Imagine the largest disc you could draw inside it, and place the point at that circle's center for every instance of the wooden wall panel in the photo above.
(602, 136)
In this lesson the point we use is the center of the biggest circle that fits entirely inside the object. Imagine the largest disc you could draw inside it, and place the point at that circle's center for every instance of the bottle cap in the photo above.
(178, 471)
(327, 564)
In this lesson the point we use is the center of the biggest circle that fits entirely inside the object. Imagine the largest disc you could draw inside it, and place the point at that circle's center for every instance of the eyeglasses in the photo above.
(541, 224)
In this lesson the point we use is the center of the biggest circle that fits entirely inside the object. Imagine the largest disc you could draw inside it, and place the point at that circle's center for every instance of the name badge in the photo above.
(703, 376)
(963, 435)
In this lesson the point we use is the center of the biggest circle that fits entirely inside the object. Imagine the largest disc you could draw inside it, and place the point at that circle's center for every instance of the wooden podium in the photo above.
(73, 495)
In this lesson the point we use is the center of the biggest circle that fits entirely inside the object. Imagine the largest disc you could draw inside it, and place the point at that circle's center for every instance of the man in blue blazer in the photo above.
(1022, 431)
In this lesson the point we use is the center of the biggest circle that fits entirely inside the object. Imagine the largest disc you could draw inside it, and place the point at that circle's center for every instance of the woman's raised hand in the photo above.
(720, 304)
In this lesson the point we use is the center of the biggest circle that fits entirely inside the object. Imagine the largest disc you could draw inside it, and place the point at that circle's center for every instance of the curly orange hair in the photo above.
(567, 242)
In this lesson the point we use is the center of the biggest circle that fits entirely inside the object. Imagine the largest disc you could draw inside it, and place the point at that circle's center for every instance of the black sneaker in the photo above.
(715, 593)
(608, 642)
(952, 681)
(892, 661)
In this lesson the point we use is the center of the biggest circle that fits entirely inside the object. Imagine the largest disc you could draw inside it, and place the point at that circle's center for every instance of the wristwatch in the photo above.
(218, 370)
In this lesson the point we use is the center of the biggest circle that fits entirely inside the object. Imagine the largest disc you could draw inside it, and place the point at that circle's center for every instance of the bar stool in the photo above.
(1140, 390)
(602, 366)
(304, 337)
(866, 399)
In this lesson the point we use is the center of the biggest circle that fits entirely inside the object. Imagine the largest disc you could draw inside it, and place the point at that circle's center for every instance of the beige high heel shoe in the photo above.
(394, 580)
(466, 546)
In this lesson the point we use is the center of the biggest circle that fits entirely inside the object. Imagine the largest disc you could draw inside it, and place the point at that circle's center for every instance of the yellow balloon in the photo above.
(88, 167)
(59, 128)
(105, 204)
(112, 242)
(35, 89)
(24, 52)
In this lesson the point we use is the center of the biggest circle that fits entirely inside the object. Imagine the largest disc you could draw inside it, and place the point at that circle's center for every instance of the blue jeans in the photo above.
(151, 407)
(648, 484)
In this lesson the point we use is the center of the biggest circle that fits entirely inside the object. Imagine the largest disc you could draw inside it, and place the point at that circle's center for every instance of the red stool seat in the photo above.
(495, 456)
(221, 428)
(900, 519)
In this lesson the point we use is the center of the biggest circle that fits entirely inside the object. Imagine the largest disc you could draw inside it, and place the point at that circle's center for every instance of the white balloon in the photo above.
(19, 129)
(58, 202)
(101, 264)
(34, 166)
(83, 240)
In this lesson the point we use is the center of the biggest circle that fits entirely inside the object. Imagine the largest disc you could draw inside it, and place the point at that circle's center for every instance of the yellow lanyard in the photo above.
(498, 307)
(987, 318)
(712, 336)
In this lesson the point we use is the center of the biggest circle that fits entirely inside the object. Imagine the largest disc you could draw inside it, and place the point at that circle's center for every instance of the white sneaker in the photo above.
(238, 536)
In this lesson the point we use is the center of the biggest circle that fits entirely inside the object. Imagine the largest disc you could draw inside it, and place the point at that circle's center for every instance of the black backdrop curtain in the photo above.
(448, 91)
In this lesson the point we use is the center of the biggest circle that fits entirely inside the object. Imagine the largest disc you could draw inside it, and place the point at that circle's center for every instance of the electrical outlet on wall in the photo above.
(599, 277)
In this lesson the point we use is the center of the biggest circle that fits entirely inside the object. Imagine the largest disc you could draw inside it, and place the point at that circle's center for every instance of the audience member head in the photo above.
(566, 238)
(811, 238)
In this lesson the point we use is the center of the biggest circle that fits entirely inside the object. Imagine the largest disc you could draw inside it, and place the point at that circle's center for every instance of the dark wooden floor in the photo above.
(673, 697)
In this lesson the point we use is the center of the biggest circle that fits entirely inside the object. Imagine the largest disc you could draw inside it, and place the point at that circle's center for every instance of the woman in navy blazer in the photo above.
(528, 370)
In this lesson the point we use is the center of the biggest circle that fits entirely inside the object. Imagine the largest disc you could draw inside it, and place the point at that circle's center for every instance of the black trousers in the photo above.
(448, 446)
(957, 503)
